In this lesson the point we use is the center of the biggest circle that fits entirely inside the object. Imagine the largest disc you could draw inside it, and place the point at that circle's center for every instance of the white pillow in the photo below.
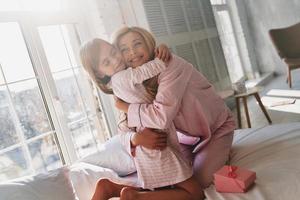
(52, 185)
(113, 155)
(85, 176)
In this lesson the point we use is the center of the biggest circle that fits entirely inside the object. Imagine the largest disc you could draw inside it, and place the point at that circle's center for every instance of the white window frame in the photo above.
(29, 21)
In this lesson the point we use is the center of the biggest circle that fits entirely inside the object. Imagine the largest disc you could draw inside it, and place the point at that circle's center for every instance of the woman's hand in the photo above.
(163, 53)
(150, 139)
(121, 105)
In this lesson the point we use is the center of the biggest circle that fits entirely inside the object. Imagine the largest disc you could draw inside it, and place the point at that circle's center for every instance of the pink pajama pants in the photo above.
(212, 156)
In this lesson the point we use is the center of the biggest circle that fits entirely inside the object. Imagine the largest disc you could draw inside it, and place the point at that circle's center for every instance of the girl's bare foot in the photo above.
(128, 193)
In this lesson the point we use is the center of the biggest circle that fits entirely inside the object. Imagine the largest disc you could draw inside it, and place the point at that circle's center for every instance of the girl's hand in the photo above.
(150, 139)
(163, 53)
(121, 105)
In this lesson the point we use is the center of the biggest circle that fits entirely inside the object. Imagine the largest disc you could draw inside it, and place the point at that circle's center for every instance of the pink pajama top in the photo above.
(185, 98)
(155, 168)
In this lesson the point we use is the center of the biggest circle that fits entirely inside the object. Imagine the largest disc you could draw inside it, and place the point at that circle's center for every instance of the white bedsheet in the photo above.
(273, 152)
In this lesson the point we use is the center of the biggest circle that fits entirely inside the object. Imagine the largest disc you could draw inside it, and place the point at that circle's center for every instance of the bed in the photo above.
(273, 152)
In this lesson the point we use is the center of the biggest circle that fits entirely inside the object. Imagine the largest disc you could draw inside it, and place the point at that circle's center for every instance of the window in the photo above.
(189, 28)
(31, 5)
(71, 87)
(27, 138)
(228, 39)
(50, 113)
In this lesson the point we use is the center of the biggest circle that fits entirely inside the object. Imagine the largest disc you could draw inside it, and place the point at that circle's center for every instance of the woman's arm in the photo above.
(164, 108)
(163, 53)
(147, 138)
(150, 139)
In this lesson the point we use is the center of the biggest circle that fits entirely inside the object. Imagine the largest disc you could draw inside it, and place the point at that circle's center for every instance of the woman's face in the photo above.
(134, 49)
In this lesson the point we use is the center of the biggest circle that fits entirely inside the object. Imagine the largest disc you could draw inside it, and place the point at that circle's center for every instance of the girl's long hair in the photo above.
(89, 55)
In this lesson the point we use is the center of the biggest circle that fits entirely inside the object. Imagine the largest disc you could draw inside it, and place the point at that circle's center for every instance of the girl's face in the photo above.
(110, 60)
(134, 49)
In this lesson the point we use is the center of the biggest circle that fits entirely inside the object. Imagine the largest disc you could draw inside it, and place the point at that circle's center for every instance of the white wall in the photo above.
(263, 16)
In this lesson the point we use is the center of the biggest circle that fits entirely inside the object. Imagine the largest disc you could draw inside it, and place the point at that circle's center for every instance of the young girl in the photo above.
(155, 168)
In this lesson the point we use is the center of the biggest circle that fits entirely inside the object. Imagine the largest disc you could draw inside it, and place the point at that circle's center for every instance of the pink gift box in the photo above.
(233, 179)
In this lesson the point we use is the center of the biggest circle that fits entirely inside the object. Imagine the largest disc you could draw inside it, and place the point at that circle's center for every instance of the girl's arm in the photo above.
(132, 76)
(146, 71)
(164, 108)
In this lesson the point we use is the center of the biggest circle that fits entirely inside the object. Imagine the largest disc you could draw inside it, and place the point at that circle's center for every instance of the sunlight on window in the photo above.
(229, 46)
(218, 2)
(65, 33)
(13, 164)
(42, 5)
(44, 154)
(1, 76)
(58, 42)
(54, 45)
(14, 58)
(30, 5)
(29, 108)
(10, 5)
(8, 133)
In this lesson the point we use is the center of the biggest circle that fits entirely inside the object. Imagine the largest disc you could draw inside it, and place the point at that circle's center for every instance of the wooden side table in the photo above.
(253, 91)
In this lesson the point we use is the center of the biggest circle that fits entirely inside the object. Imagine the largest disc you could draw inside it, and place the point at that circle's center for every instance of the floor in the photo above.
(276, 90)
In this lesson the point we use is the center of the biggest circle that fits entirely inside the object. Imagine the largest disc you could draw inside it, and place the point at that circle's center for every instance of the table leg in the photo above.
(262, 107)
(246, 111)
(237, 102)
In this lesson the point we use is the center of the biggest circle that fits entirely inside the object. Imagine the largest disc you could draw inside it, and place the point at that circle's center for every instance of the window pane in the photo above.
(82, 137)
(217, 2)
(14, 57)
(44, 154)
(30, 5)
(75, 94)
(10, 5)
(30, 108)
(102, 135)
(66, 29)
(83, 85)
(8, 135)
(69, 95)
(1, 77)
(42, 5)
(54, 45)
(13, 164)
(229, 45)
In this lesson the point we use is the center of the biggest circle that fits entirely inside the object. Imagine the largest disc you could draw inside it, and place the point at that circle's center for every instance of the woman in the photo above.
(185, 97)
(155, 168)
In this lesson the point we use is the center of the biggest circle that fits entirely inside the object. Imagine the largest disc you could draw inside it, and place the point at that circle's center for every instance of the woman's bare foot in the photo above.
(128, 193)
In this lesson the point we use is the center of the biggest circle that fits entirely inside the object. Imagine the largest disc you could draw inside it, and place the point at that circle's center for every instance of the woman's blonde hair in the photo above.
(89, 55)
(151, 85)
(146, 35)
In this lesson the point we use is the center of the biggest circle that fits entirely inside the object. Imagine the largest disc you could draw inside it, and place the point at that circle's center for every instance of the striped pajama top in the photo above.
(155, 168)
